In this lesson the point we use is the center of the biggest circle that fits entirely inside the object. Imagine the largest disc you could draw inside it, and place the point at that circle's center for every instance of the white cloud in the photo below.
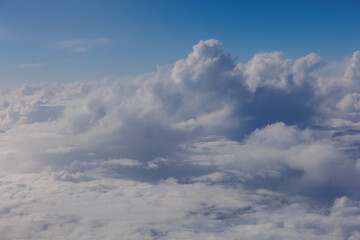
(352, 72)
(206, 149)
(42, 207)
(277, 71)
(204, 66)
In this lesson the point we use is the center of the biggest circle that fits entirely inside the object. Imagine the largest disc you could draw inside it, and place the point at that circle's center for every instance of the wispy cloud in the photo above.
(82, 45)
(29, 65)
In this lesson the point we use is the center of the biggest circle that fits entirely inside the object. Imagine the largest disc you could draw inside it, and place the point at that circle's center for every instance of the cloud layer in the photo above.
(208, 148)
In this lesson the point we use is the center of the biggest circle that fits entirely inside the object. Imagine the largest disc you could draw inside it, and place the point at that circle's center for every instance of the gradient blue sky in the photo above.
(50, 41)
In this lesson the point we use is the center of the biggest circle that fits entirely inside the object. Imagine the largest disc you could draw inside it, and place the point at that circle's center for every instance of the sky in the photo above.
(44, 41)
(179, 120)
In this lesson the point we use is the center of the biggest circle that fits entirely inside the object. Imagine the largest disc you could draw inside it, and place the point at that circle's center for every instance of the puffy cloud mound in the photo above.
(206, 149)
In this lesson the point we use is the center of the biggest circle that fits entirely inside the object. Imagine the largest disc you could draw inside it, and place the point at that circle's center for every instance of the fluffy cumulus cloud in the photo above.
(208, 148)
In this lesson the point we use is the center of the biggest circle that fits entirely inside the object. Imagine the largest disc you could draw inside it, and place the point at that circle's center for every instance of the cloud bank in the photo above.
(208, 148)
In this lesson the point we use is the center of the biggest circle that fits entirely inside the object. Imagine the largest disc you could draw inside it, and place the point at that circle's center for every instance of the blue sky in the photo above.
(87, 40)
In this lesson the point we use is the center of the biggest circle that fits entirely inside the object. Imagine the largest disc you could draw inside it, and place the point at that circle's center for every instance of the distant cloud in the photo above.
(82, 45)
(29, 65)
